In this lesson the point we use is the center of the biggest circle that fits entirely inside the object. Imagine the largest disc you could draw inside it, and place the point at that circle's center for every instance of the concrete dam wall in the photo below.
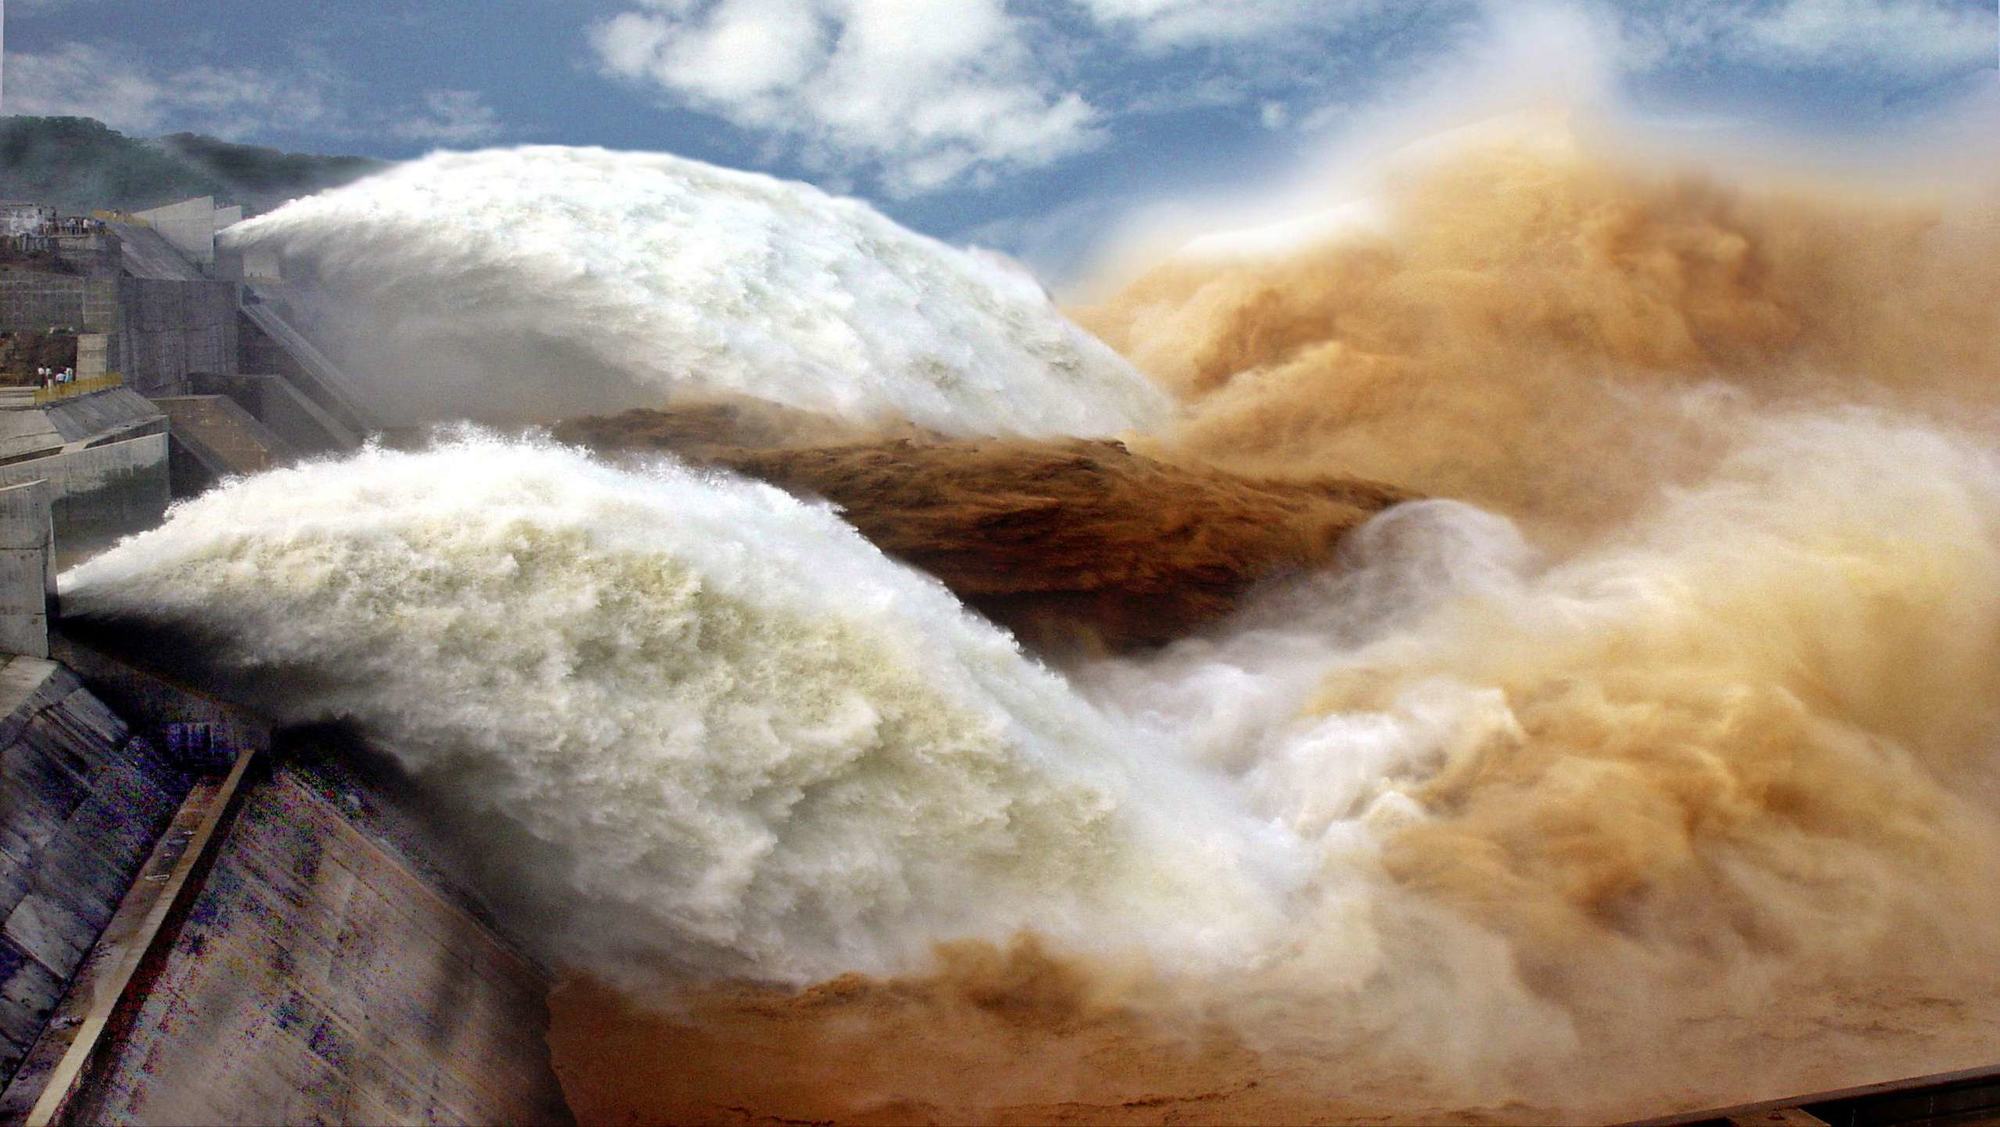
(175, 327)
(35, 301)
(203, 920)
(101, 492)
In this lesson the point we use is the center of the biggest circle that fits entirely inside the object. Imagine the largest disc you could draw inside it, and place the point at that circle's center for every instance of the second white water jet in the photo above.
(722, 733)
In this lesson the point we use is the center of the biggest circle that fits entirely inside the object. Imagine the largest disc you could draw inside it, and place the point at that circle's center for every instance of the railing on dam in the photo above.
(74, 388)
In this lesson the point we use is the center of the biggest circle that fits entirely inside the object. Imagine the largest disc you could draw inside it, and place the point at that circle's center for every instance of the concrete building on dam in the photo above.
(177, 370)
(203, 919)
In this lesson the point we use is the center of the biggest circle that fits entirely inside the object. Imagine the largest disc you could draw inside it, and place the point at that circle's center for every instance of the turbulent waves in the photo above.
(1457, 807)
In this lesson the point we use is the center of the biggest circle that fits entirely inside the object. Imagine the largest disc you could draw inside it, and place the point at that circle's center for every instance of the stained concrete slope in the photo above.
(148, 254)
(317, 978)
(85, 420)
(81, 801)
(304, 425)
(309, 369)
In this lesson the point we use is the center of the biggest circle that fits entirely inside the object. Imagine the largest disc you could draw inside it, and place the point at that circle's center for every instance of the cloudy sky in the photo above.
(1022, 123)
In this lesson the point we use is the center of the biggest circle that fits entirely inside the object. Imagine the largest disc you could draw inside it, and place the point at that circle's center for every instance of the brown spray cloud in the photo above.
(1532, 309)
(1741, 723)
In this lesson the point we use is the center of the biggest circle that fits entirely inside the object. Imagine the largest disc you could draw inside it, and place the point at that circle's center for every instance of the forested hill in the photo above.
(79, 164)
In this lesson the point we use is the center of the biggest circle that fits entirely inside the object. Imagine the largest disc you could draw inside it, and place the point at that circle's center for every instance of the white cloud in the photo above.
(918, 95)
(78, 79)
(1899, 34)
(116, 87)
(744, 48)
(1165, 24)
(925, 91)
(450, 117)
(133, 94)
(1910, 37)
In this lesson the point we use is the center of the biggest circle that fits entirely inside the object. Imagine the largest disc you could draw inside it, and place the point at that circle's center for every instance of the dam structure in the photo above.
(204, 919)
(179, 366)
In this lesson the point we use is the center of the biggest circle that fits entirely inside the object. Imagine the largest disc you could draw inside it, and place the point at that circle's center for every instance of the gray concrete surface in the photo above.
(190, 225)
(29, 429)
(317, 978)
(145, 253)
(33, 301)
(303, 424)
(81, 803)
(271, 344)
(27, 569)
(101, 493)
(171, 328)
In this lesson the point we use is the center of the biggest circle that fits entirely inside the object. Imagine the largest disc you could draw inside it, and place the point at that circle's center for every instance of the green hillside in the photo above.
(81, 165)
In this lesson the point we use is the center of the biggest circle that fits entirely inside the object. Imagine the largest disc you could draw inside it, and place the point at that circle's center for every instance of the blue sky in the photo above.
(1027, 125)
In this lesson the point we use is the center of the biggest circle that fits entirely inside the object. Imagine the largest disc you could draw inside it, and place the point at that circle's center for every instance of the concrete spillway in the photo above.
(214, 437)
(316, 977)
(277, 941)
(316, 376)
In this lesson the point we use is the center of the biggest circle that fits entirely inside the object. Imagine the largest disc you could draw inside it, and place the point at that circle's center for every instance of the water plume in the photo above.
(714, 728)
(546, 281)
(1703, 812)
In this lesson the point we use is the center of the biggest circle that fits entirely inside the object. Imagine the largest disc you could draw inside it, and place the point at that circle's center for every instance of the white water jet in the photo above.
(555, 280)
